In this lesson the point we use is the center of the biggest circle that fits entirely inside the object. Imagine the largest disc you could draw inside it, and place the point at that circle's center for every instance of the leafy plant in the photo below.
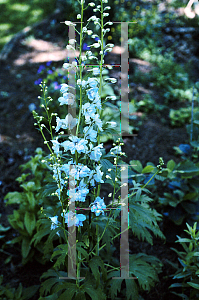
(25, 218)
(79, 167)
(7, 292)
(188, 272)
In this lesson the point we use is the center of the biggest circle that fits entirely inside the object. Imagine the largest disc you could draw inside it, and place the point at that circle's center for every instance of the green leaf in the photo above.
(94, 264)
(145, 271)
(136, 165)
(14, 198)
(30, 221)
(115, 284)
(71, 288)
(29, 292)
(61, 251)
(25, 247)
(131, 289)
(18, 292)
(148, 169)
(40, 234)
(194, 285)
(187, 169)
(3, 229)
(80, 247)
(95, 294)
(171, 165)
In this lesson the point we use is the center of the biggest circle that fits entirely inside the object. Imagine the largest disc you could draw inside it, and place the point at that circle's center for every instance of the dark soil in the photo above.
(19, 139)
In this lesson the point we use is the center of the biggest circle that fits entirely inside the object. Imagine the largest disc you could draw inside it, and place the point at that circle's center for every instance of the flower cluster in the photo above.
(83, 169)
(98, 206)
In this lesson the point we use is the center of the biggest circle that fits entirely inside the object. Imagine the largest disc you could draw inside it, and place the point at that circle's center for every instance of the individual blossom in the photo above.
(116, 150)
(55, 146)
(92, 93)
(96, 153)
(76, 144)
(66, 167)
(98, 206)
(72, 219)
(112, 124)
(56, 85)
(82, 83)
(92, 82)
(96, 175)
(55, 223)
(90, 134)
(96, 71)
(38, 81)
(98, 122)
(79, 193)
(88, 110)
(69, 122)
(41, 68)
(79, 171)
(68, 98)
(97, 102)
(64, 88)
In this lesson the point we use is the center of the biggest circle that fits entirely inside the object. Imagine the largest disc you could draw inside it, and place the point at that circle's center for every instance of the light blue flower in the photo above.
(74, 219)
(98, 206)
(90, 133)
(98, 122)
(92, 93)
(96, 175)
(79, 171)
(55, 222)
(79, 193)
(55, 146)
(88, 110)
(96, 153)
(96, 71)
(97, 102)
(64, 88)
(69, 122)
(92, 82)
(116, 150)
(76, 144)
(68, 98)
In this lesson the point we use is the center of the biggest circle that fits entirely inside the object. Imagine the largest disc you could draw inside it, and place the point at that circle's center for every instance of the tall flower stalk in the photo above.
(80, 164)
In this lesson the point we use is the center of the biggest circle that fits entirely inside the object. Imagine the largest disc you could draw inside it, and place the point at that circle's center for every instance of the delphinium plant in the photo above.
(83, 267)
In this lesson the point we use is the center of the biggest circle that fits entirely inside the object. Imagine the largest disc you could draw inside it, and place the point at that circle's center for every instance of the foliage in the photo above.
(188, 272)
(8, 293)
(25, 218)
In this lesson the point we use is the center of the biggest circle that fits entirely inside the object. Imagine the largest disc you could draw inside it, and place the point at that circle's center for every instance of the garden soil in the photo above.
(19, 139)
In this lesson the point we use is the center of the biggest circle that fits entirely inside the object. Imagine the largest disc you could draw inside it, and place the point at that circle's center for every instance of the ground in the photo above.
(19, 139)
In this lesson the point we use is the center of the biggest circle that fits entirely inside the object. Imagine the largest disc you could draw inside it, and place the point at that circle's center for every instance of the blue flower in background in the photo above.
(38, 81)
(185, 148)
(97, 39)
(57, 86)
(48, 63)
(85, 46)
(41, 68)
(50, 72)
